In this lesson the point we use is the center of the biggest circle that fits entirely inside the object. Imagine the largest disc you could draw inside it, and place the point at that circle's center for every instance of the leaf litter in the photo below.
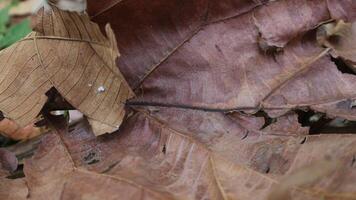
(195, 131)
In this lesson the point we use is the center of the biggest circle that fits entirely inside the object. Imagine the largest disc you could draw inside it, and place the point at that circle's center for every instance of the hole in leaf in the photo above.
(91, 158)
(315, 121)
(2, 116)
(218, 48)
(319, 123)
(268, 169)
(265, 48)
(41, 123)
(334, 39)
(268, 120)
(5, 141)
(93, 161)
(110, 167)
(164, 149)
(18, 173)
(245, 136)
(55, 102)
(342, 66)
(304, 140)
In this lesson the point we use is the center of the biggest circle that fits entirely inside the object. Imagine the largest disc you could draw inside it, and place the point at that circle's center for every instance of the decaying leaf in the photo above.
(151, 159)
(341, 37)
(217, 65)
(68, 52)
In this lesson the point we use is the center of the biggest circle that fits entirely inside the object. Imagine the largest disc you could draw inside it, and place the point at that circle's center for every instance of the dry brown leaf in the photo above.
(215, 65)
(341, 37)
(67, 51)
(149, 159)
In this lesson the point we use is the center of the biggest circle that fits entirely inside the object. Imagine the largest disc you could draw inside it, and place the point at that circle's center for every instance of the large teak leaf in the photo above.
(149, 159)
(66, 51)
(213, 58)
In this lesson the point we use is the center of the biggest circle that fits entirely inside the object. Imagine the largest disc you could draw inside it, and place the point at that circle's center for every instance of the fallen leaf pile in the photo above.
(219, 87)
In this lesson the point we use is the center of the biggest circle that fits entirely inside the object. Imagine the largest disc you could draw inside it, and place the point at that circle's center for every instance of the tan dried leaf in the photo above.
(66, 51)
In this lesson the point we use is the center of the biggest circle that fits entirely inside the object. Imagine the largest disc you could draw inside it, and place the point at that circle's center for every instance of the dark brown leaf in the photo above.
(219, 66)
